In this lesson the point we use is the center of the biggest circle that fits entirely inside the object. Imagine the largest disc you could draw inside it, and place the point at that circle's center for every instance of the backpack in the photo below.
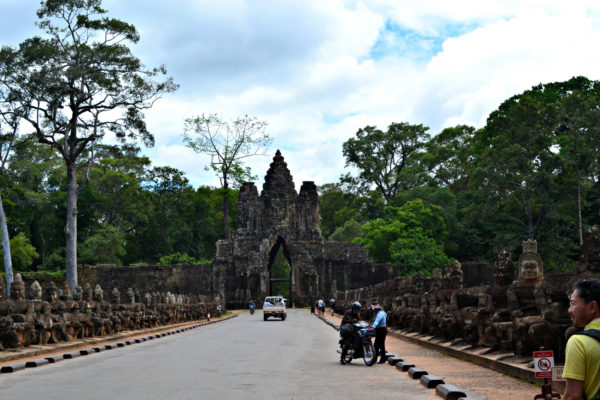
(595, 333)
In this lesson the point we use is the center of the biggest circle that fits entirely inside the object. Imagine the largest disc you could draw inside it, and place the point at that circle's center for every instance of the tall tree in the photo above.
(449, 158)
(9, 128)
(74, 84)
(387, 160)
(516, 160)
(227, 144)
(578, 135)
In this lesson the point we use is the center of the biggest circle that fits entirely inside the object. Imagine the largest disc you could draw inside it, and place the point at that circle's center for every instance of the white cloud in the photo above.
(318, 71)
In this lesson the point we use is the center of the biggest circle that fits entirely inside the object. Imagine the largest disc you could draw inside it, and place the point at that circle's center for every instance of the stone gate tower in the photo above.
(280, 217)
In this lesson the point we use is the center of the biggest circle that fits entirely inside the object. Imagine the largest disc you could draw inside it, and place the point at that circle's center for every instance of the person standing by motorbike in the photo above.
(380, 326)
(332, 305)
(347, 328)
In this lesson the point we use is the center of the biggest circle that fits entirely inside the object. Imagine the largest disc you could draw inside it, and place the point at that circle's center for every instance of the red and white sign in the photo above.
(557, 374)
(543, 362)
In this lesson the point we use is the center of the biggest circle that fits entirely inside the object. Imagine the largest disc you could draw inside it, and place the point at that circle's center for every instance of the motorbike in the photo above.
(360, 345)
(251, 310)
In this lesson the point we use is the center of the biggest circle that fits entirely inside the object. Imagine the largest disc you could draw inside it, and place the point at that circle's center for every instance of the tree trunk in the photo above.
(6, 248)
(580, 223)
(71, 227)
(529, 212)
(226, 208)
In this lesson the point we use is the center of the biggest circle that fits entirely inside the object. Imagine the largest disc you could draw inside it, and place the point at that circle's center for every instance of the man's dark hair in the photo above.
(588, 290)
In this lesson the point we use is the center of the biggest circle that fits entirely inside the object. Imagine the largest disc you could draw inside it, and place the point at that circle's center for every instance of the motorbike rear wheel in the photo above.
(369, 354)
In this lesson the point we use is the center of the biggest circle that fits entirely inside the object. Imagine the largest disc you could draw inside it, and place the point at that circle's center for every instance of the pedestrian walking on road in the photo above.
(321, 307)
(219, 309)
(582, 355)
(380, 326)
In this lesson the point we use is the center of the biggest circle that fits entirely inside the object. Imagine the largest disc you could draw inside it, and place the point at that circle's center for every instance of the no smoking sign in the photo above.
(543, 362)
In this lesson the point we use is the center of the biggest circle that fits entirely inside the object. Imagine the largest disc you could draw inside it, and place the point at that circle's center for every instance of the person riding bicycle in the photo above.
(347, 328)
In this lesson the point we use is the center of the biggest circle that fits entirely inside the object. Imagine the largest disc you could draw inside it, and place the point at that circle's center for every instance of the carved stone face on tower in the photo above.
(51, 292)
(98, 293)
(78, 295)
(530, 263)
(86, 293)
(66, 292)
(130, 296)
(454, 273)
(419, 281)
(35, 291)
(116, 296)
(436, 279)
(17, 289)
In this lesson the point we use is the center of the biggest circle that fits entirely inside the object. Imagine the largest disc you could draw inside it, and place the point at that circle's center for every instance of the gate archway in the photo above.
(282, 219)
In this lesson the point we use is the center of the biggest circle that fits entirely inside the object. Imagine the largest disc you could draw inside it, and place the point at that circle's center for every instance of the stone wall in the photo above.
(179, 279)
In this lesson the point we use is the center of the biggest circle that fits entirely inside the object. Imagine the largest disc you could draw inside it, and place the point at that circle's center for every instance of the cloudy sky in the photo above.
(318, 70)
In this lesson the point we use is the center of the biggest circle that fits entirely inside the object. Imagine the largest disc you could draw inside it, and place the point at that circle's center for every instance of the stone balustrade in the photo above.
(51, 315)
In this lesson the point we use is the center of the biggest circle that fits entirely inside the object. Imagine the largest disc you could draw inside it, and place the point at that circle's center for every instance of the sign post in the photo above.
(543, 361)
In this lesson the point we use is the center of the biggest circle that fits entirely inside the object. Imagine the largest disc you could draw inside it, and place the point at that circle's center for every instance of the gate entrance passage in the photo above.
(280, 271)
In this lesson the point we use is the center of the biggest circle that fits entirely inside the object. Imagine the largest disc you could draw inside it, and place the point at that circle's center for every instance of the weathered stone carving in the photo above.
(45, 317)
(281, 218)
(516, 315)
(18, 316)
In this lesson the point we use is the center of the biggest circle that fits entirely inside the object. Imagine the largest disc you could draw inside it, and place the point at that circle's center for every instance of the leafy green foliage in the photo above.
(348, 232)
(387, 160)
(178, 258)
(411, 235)
(281, 270)
(106, 246)
(22, 252)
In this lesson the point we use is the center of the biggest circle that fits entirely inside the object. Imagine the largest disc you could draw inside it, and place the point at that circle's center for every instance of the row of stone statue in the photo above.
(513, 315)
(51, 315)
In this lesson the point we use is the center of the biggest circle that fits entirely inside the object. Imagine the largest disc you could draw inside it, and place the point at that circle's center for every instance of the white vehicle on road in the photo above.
(274, 306)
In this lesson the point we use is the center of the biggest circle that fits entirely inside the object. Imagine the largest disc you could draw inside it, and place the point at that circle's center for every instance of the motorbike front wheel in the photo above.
(369, 354)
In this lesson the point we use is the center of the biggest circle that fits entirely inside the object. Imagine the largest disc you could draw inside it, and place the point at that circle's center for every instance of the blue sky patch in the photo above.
(395, 40)
(336, 118)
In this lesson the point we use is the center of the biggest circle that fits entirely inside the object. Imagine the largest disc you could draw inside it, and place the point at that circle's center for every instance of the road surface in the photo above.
(242, 358)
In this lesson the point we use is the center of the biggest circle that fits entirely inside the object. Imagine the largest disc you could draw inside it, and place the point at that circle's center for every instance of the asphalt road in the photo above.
(243, 358)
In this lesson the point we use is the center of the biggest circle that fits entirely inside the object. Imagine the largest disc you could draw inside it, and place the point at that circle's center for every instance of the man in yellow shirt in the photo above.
(582, 362)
